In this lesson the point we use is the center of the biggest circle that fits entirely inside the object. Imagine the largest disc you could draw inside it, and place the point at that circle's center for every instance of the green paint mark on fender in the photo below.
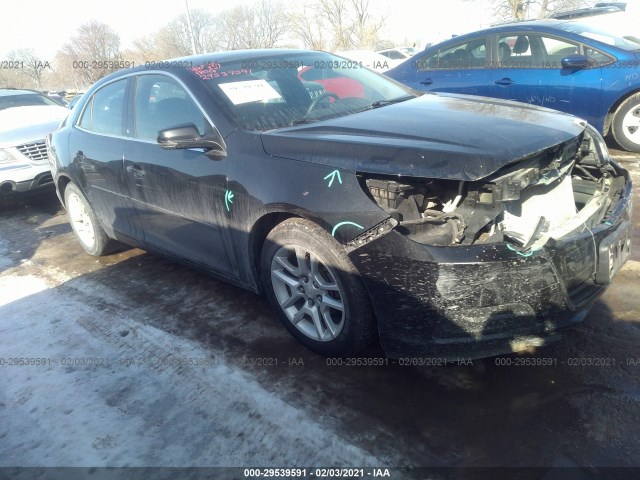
(332, 176)
(333, 232)
(521, 253)
(228, 199)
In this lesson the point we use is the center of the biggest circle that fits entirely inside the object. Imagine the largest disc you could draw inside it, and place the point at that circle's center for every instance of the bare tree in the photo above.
(261, 25)
(174, 40)
(521, 9)
(547, 7)
(66, 73)
(93, 52)
(510, 9)
(32, 71)
(336, 14)
(27, 70)
(306, 26)
(337, 25)
(366, 27)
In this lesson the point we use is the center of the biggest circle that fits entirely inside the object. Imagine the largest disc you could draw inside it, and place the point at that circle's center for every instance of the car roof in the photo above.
(234, 55)
(552, 23)
(549, 25)
(5, 92)
(203, 59)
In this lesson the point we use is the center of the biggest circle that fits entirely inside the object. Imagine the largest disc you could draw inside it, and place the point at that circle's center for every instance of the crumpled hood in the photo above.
(20, 125)
(455, 137)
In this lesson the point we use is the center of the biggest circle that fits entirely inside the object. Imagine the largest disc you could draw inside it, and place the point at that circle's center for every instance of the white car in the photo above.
(397, 55)
(26, 117)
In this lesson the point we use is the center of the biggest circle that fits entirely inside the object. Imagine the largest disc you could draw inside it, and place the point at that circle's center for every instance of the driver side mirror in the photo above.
(575, 62)
(187, 136)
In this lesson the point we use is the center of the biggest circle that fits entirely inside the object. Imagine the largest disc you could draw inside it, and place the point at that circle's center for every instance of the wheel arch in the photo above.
(267, 222)
(61, 186)
(614, 107)
(258, 235)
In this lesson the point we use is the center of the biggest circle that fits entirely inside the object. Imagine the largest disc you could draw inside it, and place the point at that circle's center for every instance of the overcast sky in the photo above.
(45, 26)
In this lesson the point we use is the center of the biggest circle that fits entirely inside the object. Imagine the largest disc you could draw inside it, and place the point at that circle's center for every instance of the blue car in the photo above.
(563, 65)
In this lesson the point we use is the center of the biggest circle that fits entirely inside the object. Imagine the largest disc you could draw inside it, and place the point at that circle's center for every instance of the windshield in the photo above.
(600, 35)
(24, 100)
(285, 90)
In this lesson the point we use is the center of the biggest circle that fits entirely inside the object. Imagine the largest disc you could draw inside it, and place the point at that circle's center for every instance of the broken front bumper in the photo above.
(481, 300)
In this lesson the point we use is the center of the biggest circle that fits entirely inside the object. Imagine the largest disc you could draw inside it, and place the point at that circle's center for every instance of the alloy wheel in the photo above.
(308, 293)
(81, 220)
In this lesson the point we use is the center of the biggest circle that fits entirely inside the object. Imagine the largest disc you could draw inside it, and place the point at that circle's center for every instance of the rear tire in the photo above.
(85, 224)
(626, 124)
(317, 292)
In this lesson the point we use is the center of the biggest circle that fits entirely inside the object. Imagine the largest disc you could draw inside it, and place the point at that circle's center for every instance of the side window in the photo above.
(161, 103)
(393, 55)
(105, 111)
(471, 54)
(556, 50)
(533, 51)
(427, 63)
(597, 57)
(514, 51)
(85, 121)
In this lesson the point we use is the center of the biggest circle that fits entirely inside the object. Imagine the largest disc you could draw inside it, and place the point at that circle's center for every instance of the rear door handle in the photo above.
(137, 172)
(504, 82)
(426, 81)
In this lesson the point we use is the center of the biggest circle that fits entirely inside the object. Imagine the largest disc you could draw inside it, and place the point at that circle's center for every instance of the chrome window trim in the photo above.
(90, 102)
(137, 74)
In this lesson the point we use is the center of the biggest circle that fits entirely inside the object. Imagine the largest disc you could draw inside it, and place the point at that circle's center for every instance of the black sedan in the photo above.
(442, 224)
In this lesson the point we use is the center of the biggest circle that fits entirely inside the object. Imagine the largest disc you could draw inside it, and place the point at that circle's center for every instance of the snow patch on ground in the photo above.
(5, 261)
(113, 391)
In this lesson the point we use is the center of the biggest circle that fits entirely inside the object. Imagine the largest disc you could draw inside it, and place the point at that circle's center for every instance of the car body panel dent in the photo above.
(479, 300)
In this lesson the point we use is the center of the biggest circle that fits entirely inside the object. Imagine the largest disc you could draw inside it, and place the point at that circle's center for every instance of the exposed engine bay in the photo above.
(563, 189)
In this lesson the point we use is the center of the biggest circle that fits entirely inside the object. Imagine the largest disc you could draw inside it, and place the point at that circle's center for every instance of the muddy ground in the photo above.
(132, 360)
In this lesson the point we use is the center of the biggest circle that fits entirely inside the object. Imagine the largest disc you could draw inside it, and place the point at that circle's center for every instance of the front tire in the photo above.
(316, 290)
(626, 124)
(85, 224)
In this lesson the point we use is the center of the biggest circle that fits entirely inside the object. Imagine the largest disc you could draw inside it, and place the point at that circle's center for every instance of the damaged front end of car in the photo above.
(476, 268)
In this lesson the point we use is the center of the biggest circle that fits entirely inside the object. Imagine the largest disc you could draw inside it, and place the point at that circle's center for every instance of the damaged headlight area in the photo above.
(558, 191)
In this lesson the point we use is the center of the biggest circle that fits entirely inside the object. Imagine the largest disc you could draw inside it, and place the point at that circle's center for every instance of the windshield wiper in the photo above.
(301, 121)
(383, 103)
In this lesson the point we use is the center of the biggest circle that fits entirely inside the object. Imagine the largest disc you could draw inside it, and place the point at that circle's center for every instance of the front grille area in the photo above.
(36, 151)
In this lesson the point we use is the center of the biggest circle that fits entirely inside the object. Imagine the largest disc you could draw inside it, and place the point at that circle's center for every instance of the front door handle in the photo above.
(505, 82)
(426, 81)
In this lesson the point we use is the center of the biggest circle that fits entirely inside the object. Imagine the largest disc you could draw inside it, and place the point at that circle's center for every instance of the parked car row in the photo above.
(563, 65)
(441, 224)
(447, 224)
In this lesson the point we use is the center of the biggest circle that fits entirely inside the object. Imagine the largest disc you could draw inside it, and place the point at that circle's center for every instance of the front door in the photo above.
(530, 71)
(179, 194)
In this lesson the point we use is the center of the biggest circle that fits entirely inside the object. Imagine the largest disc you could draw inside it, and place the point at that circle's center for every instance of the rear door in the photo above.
(461, 68)
(180, 194)
(97, 144)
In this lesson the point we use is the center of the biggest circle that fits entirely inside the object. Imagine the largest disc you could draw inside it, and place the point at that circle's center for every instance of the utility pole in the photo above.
(193, 40)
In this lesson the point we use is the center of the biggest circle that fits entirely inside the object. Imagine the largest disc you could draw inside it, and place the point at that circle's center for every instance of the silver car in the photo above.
(25, 119)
